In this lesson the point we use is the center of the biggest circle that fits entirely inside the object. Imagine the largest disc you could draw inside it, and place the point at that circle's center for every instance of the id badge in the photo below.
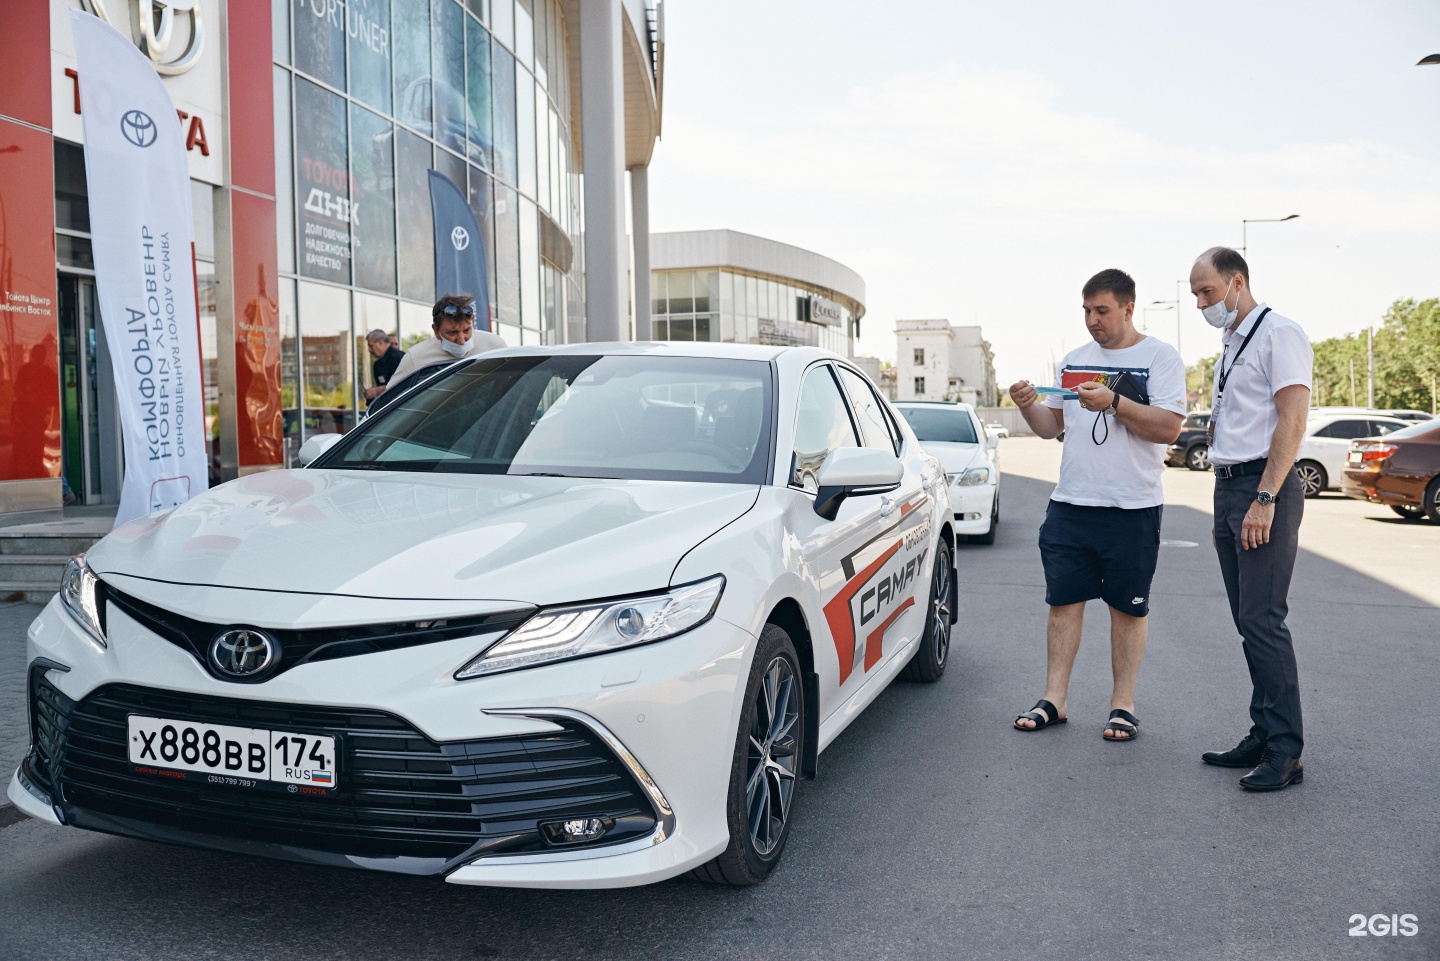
(1214, 417)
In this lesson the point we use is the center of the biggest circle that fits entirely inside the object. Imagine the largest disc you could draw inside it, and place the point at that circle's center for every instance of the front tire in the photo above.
(1313, 481)
(928, 663)
(765, 770)
(989, 536)
(1198, 457)
(1432, 501)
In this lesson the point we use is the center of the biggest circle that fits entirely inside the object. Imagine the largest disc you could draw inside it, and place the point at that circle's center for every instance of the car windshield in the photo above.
(940, 425)
(570, 415)
(1414, 430)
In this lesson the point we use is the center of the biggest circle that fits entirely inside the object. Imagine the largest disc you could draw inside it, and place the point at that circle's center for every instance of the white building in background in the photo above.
(937, 361)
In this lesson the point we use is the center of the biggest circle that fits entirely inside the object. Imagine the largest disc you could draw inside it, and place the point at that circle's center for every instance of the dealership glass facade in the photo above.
(735, 308)
(368, 97)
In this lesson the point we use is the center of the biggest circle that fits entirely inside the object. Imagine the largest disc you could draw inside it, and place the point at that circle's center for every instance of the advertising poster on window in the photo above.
(324, 188)
(143, 237)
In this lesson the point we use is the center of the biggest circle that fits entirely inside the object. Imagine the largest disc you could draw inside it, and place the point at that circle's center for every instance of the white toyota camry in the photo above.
(572, 617)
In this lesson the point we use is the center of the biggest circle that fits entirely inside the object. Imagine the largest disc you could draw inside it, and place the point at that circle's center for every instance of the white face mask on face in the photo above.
(1219, 314)
(454, 349)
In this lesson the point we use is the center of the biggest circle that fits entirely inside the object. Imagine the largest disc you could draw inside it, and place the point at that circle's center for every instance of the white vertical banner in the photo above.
(143, 237)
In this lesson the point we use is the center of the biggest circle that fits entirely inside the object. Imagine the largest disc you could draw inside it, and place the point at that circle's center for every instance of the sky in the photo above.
(979, 161)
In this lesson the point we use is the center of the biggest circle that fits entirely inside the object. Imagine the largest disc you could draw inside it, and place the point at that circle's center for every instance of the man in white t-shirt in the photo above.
(1119, 401)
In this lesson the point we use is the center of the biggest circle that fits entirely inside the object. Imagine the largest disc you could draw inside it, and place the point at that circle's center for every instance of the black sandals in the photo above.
(1126, 728)
(1043, 714)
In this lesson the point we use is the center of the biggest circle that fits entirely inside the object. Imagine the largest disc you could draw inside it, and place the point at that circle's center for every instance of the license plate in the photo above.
(1353, 457)
(240, 756)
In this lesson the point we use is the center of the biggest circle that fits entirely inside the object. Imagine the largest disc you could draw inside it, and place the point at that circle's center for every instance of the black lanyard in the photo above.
(1224, 377)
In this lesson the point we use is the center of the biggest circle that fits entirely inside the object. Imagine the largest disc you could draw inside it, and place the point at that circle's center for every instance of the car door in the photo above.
(829, 550)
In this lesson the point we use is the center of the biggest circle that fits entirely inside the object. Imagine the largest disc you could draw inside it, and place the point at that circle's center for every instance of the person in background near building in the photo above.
(1257, 419)
(1101, 535)
(387, 358)
(455, 337)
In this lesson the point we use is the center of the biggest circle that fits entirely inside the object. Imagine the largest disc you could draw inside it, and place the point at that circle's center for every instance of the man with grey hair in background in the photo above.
(387, 358)
(1257, 419)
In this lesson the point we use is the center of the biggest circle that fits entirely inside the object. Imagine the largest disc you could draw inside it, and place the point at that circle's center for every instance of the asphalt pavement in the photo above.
(934, 830)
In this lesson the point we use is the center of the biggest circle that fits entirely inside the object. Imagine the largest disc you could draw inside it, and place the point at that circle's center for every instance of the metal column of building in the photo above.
(640, 228)
(602, 96)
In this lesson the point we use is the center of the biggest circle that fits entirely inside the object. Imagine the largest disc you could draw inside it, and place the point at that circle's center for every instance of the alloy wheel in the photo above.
(940, 604)
(1311, 483)
(1198, 458)
(770, 773)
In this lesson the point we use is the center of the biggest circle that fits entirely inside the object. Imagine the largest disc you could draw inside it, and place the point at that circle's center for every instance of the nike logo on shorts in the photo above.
(1138, 600)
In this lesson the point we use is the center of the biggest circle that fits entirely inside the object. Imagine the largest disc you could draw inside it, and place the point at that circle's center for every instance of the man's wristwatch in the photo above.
(1114, 407)
(1265, 498)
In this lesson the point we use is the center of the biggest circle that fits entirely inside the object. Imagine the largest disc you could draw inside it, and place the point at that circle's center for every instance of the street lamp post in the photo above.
(1147, 310)
(1261, 220)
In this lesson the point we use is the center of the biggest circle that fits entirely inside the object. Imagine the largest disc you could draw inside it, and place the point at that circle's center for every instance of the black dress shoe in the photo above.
(1245, 754)
(1275, 771)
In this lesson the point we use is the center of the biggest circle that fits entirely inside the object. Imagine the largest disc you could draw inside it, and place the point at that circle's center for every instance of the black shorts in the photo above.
(1104, 552)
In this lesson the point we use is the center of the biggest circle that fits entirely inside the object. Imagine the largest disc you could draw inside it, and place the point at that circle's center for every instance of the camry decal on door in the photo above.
(874, 598)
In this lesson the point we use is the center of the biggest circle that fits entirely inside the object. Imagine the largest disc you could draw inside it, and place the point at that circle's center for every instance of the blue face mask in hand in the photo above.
(1219, 314)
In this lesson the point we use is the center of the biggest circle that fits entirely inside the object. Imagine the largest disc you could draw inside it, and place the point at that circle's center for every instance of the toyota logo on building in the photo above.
(243, 653)
(138, 128)
(164, 25)
(460, 237)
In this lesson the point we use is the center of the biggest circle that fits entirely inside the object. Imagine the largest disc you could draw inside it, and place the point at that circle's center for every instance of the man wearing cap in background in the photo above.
(1262, 398)
(453, 320)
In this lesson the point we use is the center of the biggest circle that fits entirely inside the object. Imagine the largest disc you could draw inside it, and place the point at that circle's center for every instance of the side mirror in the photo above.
(854, 472)
(314, 447)
(992, 441)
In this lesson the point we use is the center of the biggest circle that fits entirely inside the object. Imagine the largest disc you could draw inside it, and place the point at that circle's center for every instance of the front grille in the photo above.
(316, 644)
(400, 794)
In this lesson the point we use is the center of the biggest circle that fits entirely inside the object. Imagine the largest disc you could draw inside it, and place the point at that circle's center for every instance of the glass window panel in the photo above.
(525, 32)
(448, 72)
(510, 334)
(452, 167)
(542, 36)
(752, 297)
(284, 163)
(682, 291)
(280, 32)
(657, 292)
(410, 39)
(416, 324)
(506, 294)
(542, 150)
(414, 228)
(483, 209)
(707, 327)
(706, 283)
(530, 265)
(553, 140)
(289, 369)
(371, 141)
(478, 94)
(371, 313)
(660, 329)
(727, 329)
(320, 41)
(327, 362)
(322, 188)
(503, 74)
(682, 328)
(477, 7)
(72, 195)
(202, 212)
(368, 23)
(525, 130)
(502, 21)
(868, 409)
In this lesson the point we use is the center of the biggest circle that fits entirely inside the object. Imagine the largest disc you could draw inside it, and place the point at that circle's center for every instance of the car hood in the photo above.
(539, 540)
(956, 457)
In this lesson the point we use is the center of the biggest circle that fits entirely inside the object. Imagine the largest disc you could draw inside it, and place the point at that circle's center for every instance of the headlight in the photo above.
(81, 595)
(973, 477)
(561, 633)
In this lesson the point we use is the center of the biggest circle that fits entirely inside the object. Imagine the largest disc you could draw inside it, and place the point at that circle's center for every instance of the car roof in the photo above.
(1328, 416)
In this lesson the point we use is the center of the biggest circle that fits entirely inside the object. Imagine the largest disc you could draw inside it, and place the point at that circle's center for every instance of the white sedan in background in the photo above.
(571, 617)
(953, 433)
(1320, 462)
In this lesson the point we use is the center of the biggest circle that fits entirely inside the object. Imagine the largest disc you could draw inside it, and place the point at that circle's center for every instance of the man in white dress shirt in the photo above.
(1257, 419)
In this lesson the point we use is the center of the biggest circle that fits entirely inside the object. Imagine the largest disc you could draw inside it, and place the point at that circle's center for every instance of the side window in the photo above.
(1379, 428)
(821, 425)
(1349, 429)
(875, 428)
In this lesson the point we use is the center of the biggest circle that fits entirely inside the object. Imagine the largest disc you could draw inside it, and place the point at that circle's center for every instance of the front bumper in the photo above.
(973, 507)
(522, 748)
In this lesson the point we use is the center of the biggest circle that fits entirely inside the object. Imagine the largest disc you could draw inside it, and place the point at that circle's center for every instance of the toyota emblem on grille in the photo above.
(244, 653)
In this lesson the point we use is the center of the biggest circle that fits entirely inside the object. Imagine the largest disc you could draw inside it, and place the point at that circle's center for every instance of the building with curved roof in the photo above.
(731, 287)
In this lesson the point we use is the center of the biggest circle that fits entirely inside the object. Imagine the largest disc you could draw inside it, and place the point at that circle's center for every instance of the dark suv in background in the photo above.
(1191, 449)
